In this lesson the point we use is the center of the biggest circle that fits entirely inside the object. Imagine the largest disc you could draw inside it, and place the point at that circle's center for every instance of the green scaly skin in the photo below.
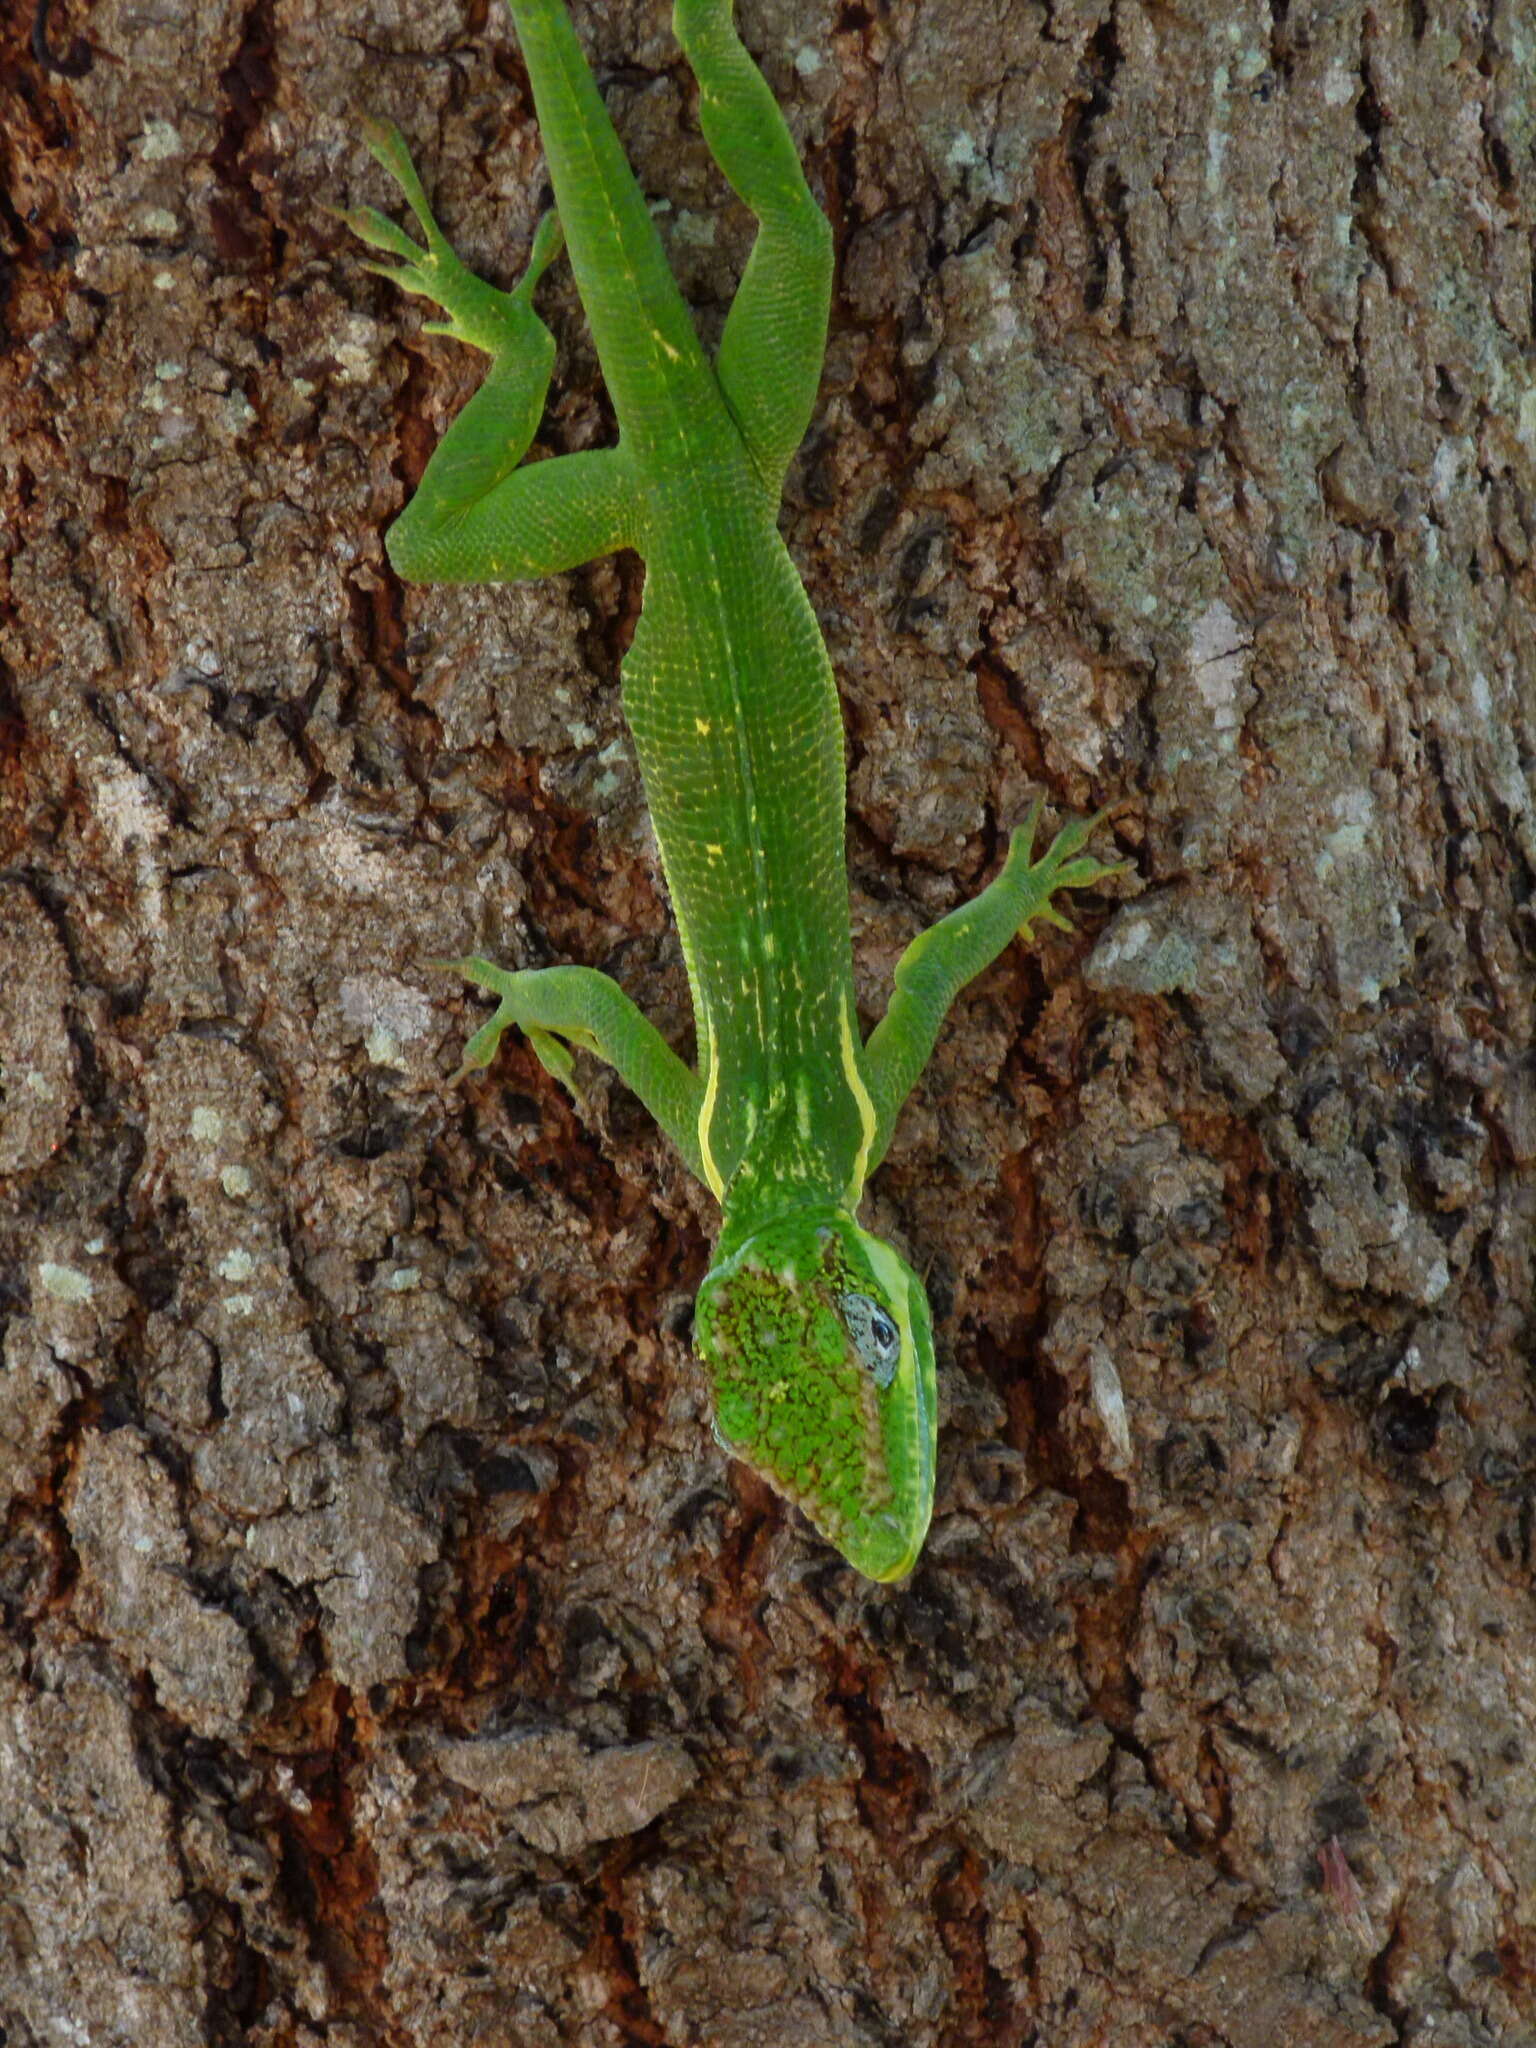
(815, 1334)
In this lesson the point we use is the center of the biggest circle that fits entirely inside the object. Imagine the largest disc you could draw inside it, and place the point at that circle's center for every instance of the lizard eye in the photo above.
(875, 1336)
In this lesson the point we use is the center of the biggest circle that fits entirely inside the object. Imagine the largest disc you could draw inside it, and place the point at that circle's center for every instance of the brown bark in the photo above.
(389, 1654)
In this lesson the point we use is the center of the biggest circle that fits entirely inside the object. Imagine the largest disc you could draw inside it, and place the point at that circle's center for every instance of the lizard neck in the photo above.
(802, 1131)
(802, 1149)
(752, 1205)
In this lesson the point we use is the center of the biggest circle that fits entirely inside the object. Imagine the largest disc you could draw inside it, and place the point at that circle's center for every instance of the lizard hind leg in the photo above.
(478, 516)
(769, 362)
(478, 314)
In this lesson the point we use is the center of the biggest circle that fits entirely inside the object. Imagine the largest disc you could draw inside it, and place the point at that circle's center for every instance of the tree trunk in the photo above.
(390, 1654)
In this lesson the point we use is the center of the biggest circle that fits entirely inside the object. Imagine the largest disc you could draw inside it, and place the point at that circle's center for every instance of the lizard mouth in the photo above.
(886, 1550)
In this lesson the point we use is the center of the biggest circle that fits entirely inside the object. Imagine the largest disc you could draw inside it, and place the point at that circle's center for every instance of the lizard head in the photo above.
(818, 1342)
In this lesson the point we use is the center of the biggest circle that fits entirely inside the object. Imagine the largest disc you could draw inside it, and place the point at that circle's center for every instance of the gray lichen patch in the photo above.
(990, 419)
(1346, 881)
(54, 1355)
(37, 1083)
(97, 1928)
(1204, 695)
(387, 1014)
(923, 774)
(361, 1552)
(1201, 945)
(1367, 1225)
(35, 1391)
(209, 1132)
(125, 1521)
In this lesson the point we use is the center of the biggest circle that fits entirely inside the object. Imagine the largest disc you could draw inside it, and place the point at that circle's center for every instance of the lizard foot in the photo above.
(478, 313)
(1063, 865)
(553, 1053)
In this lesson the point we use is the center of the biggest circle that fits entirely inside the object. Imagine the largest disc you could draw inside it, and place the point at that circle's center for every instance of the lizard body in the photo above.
(815, 1333)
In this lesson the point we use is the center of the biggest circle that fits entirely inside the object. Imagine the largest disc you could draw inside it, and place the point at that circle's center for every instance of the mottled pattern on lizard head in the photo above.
(818, 1341)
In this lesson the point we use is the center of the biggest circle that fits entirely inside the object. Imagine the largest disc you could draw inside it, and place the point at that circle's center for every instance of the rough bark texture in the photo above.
(390, 1656)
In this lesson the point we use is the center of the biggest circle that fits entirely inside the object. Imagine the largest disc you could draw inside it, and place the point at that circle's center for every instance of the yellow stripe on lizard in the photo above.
(858, 1088)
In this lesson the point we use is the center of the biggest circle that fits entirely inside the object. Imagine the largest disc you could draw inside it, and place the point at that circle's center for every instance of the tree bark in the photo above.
(390, 1655)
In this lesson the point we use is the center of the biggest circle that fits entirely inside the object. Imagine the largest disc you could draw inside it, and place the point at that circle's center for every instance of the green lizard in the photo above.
(815, 1334)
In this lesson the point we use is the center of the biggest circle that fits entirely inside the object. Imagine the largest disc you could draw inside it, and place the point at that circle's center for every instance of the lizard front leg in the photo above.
(940, 961)
(558, 1007)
